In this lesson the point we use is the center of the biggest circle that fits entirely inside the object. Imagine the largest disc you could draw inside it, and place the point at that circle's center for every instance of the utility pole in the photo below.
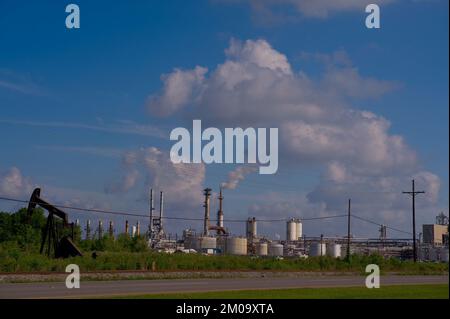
(348, 229)
(413, 194)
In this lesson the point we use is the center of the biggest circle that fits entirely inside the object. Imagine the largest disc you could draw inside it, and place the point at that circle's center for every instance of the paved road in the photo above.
(129, 287)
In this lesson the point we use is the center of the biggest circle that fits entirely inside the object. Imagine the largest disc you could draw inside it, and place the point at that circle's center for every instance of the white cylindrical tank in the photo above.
(298, 230)
(334, 250)
(275, 250)
(317, 249)
(262, 249)
(237, 246)
(207, 243)
(133, 231)
(291, 230)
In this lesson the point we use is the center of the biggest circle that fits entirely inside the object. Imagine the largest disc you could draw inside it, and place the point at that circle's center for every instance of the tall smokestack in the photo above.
(161, 209)
(152, 207)
(88, 229)
(100, 229)
(207, 193)
(126, 228)
(220, 212)
(111, 229)
(251, 228)
(138, 229)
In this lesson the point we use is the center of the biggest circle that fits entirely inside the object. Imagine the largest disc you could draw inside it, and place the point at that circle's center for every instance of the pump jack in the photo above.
(57, 246)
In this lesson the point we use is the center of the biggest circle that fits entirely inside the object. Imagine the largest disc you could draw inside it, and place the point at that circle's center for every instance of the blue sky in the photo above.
(74, 101)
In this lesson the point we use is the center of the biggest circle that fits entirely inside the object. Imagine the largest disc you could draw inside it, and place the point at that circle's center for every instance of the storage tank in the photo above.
(206, 243)
(334, 250)
(275, 250)
(317, 249)
(237, 246)
(262, 249)
(298, 230)
(291, 230)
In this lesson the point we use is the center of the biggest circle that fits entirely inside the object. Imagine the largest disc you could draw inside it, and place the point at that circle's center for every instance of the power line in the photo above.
(76, 208)
(378, 224)
(110, 212)
(121, 213)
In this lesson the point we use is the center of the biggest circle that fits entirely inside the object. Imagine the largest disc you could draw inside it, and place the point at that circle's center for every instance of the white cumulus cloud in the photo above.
(13, 183)
(319, 125)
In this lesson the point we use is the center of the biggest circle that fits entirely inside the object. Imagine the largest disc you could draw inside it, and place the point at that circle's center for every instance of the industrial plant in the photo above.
(215, 238)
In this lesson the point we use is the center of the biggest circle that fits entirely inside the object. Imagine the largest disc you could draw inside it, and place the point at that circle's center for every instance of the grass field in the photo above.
(13, 260)
(386, 292)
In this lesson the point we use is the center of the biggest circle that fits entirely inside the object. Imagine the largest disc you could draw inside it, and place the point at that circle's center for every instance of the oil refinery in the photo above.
(215, 238)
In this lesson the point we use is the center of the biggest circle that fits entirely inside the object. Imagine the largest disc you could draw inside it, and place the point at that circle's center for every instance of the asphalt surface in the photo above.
(133, 287)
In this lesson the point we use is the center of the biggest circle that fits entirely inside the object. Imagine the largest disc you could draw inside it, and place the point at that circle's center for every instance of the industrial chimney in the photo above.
(88, 229)
(126, 228)
(161, 209)
(220, 212)
(152, 208)
(111, 229)
(100, 229)
(207, 193)
(251, 228)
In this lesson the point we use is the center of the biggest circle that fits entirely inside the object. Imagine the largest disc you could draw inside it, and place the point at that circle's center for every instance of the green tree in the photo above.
(17, 227)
